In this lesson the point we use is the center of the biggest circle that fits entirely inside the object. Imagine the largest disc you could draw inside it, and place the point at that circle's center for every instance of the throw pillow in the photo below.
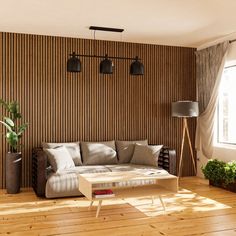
(125, 149)
(99, 153)
(59, 158)
(146, 155)
(73, 148)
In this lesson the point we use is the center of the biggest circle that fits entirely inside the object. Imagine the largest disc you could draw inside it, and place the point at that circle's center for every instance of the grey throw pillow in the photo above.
(99, 153)
(146, 155)
(59, 158)
(72, 147)
(125, 149)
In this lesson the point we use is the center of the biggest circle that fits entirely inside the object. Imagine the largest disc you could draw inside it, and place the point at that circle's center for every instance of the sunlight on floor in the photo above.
(184, 201)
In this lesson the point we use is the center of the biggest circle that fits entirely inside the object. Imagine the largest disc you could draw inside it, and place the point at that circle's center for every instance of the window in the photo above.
(226, 115)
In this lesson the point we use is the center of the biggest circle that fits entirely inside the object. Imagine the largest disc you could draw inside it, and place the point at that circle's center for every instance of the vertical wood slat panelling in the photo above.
(61, 106)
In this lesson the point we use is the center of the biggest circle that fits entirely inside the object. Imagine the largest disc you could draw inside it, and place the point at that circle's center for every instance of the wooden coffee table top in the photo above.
(114, 177)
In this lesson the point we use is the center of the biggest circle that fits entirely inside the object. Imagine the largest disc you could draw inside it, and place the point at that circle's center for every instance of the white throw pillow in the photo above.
(73, 148)
(59, 158)
(146, 154)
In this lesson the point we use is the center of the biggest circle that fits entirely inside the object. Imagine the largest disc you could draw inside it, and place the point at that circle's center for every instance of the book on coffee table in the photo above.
(103, 193)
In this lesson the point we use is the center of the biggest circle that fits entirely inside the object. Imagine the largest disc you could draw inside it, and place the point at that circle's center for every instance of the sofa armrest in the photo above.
(167, 160)
(39, 171)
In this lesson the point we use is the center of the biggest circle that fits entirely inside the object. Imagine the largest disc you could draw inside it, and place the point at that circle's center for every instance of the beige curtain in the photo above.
(210, 65)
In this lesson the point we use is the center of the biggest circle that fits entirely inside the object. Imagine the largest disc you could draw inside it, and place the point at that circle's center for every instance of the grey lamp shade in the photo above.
(185, 109)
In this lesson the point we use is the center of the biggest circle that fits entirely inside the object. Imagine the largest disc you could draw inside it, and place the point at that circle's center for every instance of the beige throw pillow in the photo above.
(99, 153)
(73, 148)
(59, 158)
(125, 149)
(146, 155)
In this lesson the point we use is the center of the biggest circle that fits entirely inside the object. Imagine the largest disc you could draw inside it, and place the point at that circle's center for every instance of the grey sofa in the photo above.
(49, 184)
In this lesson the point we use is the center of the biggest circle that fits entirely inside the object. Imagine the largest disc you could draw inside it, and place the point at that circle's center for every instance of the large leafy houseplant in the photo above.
(13, 135)
(14, 132)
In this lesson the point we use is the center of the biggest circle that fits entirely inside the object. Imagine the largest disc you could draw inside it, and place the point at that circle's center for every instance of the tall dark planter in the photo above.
(13, 172)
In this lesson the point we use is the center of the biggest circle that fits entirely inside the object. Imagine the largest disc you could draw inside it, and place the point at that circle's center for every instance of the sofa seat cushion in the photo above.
(65, 183)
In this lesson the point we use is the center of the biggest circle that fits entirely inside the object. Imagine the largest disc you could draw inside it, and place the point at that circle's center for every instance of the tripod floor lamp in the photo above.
(185, 109)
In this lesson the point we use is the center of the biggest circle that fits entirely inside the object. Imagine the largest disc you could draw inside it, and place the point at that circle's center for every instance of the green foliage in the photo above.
(230, 172)
(214, 171)
(14, 132)
(220, 172)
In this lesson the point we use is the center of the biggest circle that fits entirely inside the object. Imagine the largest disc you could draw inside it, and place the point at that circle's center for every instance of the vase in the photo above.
(13, 172)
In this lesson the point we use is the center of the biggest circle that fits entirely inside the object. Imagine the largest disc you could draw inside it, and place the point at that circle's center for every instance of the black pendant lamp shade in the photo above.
(106, 66)
(73, 64)
(136, 67)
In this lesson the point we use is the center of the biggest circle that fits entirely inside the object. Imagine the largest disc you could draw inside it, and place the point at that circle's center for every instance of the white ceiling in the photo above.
(190, 23)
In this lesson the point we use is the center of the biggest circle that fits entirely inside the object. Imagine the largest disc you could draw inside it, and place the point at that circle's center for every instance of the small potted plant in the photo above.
(221, 174)
(13, 135)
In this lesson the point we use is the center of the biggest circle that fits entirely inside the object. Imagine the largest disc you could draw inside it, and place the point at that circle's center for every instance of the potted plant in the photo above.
(13, 135)
(221, 174)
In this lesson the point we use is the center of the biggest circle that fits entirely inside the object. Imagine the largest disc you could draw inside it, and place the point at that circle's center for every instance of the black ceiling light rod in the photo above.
(98, 56)
(106, 29)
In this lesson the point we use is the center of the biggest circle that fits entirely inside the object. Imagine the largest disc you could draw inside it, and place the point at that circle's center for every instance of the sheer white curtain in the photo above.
(210, 65)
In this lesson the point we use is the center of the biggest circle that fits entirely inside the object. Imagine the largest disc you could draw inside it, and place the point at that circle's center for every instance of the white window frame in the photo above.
(217, 125)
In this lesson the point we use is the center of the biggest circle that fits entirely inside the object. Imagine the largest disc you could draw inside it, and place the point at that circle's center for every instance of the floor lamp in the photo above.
(185, 109)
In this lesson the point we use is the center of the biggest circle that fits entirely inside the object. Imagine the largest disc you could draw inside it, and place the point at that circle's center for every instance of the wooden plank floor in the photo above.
(198, 209)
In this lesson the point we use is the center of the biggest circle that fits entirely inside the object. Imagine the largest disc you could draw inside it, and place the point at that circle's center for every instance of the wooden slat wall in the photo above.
(62, 106)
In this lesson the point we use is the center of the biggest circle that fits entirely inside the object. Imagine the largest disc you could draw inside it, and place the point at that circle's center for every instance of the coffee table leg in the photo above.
(91, 203)
(153, 200)
(162, 203)
(99, 207)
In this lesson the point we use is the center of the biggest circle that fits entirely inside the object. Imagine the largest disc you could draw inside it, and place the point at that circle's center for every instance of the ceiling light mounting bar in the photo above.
(106, 29)
(99, 56)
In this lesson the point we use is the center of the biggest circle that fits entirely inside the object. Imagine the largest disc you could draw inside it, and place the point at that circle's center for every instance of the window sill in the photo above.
(225, 146)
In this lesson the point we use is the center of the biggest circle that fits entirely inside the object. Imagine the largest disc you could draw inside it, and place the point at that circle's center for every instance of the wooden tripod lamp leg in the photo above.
(182, 147)
(190, 146)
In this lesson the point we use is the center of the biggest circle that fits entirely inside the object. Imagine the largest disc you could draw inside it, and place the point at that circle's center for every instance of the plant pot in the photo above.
(219, 185)
(13, 172)
(230, 187)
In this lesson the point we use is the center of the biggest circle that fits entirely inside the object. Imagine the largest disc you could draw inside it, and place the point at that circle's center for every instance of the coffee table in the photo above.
(162, 184)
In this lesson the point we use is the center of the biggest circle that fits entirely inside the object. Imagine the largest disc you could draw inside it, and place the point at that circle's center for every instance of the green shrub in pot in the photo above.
(219, 172)
(214, 171)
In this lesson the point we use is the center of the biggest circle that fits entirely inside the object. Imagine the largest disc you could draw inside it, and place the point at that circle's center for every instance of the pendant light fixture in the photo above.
(73, 63)
(136, 67)
(106, 65)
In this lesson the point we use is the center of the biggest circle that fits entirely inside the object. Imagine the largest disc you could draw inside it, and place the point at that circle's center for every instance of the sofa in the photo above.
(94, 157)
